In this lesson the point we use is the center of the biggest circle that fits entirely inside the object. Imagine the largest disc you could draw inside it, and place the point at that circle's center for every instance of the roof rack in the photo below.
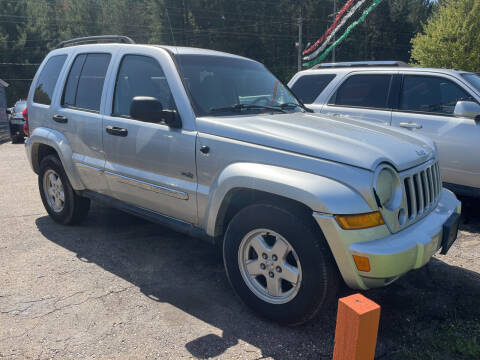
(99, 38)
(361, 64)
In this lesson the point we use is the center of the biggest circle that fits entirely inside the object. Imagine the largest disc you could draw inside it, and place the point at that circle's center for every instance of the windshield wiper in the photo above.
(294, 105)
(241, 107)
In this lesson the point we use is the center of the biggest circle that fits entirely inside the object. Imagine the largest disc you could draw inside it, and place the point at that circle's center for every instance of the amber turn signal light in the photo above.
(362, 263)
(360, 221)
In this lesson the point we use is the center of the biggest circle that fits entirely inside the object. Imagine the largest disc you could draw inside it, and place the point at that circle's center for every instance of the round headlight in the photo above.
(388, 188)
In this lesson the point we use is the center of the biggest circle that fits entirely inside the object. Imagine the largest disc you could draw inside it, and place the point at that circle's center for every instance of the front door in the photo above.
(426, 107)
(149, 165)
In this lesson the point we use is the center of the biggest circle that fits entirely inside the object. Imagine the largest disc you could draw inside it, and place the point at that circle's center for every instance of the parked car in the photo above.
(16, 121)
(438, 103)
(212, 144)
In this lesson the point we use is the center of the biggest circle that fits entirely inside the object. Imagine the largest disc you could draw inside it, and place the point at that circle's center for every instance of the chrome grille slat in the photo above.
(434, 178)
(413, 198)
(439, 175)
(422, 189)
(426, 190)
(418, 181)
(432, 188)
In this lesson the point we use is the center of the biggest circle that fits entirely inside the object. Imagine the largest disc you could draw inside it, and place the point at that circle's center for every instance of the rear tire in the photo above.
(60, 200)
(291, 275)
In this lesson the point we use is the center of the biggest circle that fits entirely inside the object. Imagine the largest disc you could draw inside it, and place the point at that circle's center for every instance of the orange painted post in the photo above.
(357, 328)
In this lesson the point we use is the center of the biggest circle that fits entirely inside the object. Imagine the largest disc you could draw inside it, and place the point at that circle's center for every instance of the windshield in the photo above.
(221, 85)
(19, 107)
(473, 79)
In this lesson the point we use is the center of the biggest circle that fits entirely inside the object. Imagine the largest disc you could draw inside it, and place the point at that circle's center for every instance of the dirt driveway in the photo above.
(120, 287)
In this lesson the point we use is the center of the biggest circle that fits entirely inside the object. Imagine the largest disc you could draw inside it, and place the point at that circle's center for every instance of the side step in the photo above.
(149, 215)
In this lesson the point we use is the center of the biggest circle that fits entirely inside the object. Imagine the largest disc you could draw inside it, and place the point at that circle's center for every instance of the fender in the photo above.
(55, 139)
(319, 193)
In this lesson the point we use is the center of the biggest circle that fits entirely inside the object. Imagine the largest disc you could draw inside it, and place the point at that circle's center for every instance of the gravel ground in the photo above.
(120, 287)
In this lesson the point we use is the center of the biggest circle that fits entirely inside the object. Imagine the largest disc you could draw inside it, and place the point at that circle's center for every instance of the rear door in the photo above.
(363, 96)
(149, 165)
(79, 116)
(426, 105)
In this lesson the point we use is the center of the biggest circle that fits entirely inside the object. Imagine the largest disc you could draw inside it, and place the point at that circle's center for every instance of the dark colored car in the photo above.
(16, 121)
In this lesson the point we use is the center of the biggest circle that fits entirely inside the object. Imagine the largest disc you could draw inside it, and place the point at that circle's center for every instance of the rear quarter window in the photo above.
(48, 79)
(308, 87)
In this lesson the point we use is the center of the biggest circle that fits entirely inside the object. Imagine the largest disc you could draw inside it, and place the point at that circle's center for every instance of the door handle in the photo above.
(116, 131)
(60, 118)
(410, 125)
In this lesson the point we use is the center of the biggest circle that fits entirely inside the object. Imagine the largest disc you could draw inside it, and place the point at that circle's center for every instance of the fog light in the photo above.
(362, 263)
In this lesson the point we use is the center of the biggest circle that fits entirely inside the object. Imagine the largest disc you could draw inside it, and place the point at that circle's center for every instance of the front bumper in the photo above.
(390, 255)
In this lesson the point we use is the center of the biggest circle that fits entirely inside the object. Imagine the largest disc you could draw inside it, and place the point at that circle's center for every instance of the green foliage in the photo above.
(451, 37)
(263, 30)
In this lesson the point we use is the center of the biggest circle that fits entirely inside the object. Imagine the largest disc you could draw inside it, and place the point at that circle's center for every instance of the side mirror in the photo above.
(9, 112)
(150, 109)
(467, 109)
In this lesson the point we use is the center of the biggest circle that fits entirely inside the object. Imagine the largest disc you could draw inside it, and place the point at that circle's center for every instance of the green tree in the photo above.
(451, 37)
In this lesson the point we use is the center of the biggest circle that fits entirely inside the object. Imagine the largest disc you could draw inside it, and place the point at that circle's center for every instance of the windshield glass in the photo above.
(473, 79)
(221, 85)
(19, 107)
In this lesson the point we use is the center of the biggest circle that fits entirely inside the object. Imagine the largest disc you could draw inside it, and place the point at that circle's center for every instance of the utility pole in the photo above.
(299, 45)
(334, 15)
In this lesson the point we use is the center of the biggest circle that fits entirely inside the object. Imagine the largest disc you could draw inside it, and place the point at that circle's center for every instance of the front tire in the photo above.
(60, 200)
(279, 263)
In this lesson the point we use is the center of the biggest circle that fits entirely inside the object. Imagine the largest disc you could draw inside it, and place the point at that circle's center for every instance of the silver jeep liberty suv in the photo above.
(212, 144)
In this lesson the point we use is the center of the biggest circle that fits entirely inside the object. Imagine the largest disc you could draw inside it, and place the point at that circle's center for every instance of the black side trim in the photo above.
(152, 216)
(463, 190)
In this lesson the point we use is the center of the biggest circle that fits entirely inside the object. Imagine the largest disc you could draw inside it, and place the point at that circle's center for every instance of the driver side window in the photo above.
(431, 94)
(140, 75)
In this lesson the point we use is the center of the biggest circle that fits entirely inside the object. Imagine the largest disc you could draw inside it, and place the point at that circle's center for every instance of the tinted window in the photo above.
(140, 76)
(72, 81)
(473, 79)
(47, 80)
(219, 82)
(308, 87)
(90, 83)
(430, 94)
(364, 91)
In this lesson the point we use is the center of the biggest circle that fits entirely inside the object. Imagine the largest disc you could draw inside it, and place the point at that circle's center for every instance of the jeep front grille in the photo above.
(422, 189)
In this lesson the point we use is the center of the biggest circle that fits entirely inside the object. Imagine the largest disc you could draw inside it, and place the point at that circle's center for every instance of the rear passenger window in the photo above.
(140, 76)
(369, 91)
(84, 85)
(308, 87)
(48, 79)
(72, 81)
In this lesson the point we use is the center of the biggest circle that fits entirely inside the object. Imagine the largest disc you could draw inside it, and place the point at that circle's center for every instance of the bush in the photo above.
(451, 37)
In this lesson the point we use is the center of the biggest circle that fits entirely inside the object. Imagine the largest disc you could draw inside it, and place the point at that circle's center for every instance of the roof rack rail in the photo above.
(99, 38)
(361, 64)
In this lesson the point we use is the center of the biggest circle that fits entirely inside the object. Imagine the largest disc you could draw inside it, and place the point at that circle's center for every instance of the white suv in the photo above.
(438, 103)
(212, 144)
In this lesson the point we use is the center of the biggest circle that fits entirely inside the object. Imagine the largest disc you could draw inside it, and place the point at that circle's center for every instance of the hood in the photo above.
(353, 142)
